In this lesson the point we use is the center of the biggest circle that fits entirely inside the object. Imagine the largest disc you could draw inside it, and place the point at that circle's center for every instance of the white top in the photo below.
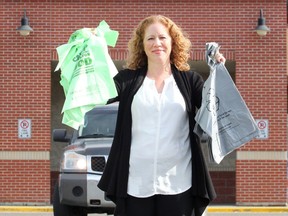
(160, 159)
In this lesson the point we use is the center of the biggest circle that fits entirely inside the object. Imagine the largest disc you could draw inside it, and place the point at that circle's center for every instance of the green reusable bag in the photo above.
(87, 72)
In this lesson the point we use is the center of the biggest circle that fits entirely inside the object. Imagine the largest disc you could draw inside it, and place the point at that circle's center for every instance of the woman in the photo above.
(156, 166)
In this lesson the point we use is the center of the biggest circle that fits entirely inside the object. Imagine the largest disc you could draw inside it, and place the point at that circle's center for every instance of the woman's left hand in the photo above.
(220, 58)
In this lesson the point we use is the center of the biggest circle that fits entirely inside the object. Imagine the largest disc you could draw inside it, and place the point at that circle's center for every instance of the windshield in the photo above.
(99, 123)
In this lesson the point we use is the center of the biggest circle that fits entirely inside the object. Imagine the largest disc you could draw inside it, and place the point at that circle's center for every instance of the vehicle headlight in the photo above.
(74, 162)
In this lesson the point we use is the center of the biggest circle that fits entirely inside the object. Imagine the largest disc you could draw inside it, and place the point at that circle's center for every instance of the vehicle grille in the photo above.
(98, 163)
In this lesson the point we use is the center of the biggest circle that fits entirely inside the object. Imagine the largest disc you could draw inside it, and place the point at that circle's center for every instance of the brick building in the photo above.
(256, 174)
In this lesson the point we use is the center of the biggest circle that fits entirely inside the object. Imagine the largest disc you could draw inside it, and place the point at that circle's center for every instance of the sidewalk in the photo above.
(211, 209)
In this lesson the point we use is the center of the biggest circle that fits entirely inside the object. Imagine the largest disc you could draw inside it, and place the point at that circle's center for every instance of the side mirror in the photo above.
(60, 135)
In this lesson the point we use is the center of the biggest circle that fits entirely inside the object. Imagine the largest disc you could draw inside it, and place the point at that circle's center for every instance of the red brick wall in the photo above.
(225, 186)
(25, 78)
(261, 68)
(25, 181)
(261, 182)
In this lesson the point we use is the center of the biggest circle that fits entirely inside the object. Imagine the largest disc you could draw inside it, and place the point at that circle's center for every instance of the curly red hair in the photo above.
(181, 45)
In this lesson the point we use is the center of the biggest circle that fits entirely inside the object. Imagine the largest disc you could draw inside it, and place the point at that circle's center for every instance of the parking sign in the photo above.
(24, 128)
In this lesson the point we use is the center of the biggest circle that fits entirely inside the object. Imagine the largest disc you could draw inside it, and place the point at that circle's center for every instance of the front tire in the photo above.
(65, 210)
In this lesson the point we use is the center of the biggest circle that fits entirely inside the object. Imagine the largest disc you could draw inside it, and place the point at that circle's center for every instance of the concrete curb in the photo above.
(215, 209)
(26, 209)
(255, 209)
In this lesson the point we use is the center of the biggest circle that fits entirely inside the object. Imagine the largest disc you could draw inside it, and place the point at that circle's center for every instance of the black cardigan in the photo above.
(115, 177)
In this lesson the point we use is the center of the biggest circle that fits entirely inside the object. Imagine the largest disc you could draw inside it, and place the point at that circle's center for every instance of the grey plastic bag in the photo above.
(223, 115)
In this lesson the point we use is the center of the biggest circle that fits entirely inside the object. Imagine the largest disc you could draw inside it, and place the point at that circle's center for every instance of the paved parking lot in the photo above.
(212, 211)
(209, 214)
(247, 214)
(37, 214)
